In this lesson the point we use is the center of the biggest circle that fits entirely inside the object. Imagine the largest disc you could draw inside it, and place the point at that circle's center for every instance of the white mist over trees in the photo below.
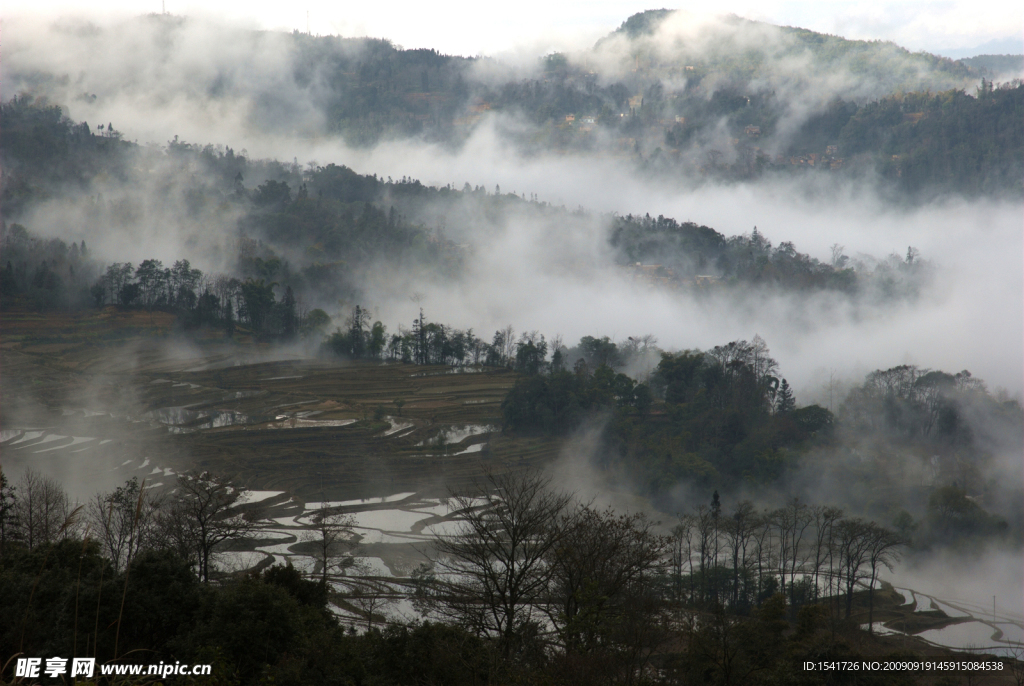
(762, 284)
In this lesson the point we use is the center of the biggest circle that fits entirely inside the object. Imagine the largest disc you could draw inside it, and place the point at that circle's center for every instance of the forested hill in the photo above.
(726, 100)
(994, 65)
(719, 46)
(326, 232)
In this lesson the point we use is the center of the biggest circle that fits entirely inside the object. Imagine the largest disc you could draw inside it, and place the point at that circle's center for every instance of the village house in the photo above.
(652, 275)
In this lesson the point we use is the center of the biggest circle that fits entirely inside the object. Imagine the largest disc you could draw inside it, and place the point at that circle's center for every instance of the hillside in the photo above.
(724, 99)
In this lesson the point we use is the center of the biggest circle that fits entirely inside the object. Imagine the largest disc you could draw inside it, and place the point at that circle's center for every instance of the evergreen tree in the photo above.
(419, 332)
(356, 333)
(784, 401)
(288, 316)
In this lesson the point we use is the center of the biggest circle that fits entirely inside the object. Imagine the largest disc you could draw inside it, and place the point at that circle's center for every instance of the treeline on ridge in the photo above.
(324, 232)
(721, 111)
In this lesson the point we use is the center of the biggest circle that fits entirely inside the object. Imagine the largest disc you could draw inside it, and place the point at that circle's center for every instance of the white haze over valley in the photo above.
(557, 279)
(555, 276)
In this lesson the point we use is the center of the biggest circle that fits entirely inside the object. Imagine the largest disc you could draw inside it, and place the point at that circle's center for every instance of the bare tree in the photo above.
(494, 570)
(601, 568)
(557, 343)
(838, 258)
(852, 541)
(883, 551)
(331, 534)
(207, 511)
(683, 543)
(43, 510)
(783, 523)
(739, 530)
(124, 521)
(763, 546)
(8, 512)
(705, 521)
(508, 345)
(799, 519)
(372, 598)
(825, 519)
(1016, 663)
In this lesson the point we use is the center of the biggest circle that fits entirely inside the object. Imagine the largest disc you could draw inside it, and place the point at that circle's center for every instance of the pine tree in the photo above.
(357, 337)
(288, 315)
(784, 401)
(422, 339)
(419, 337)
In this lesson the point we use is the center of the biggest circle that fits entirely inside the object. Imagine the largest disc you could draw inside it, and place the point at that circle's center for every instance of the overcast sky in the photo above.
(472, 27)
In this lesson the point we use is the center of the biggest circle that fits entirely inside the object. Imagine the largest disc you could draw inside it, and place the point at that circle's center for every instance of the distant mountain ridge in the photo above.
(660, 39)
(997, 66)
(697, 98)
(648, 22)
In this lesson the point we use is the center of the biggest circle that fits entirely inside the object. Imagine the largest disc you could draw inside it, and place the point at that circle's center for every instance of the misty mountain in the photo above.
(330, 233)
(677, 97)
(406, 321)
(734, 48)
(996, 66)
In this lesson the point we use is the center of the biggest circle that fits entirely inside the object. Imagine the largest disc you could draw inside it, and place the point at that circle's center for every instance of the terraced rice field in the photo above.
(948, 623)
(98, 400)
(95, 400)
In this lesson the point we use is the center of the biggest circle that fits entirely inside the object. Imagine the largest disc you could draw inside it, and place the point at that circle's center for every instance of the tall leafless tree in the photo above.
(825, 519)
(124, 521)
(852, 541)
(206, 512)
(739, 530)
(683, 545)
(43, 510)
(603, 562)
(331, 535)
(494, 571)
(8, 512)
(799, 519)
(883, 551)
